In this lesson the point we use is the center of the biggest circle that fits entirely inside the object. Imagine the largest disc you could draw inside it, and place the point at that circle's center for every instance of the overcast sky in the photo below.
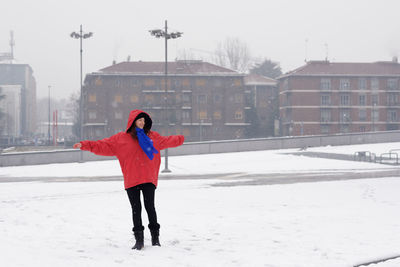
(354, 31)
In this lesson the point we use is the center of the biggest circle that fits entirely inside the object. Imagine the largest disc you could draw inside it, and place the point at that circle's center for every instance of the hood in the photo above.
(133, 115)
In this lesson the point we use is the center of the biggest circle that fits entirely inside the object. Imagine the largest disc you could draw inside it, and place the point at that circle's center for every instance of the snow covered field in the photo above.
(337, 223)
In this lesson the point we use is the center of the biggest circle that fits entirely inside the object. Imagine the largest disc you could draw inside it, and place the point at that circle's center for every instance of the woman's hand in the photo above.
(77, 145)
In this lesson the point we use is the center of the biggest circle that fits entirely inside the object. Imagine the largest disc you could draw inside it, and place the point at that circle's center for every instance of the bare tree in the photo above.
(234, 54)
(73, 108)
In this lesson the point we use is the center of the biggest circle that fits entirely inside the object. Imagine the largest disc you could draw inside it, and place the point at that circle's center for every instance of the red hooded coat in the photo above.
(136, 167)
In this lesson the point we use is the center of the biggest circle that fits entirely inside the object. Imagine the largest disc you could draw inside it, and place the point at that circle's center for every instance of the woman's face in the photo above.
(140, 123)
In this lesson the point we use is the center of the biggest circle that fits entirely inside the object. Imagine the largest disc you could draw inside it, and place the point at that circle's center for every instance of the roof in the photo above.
(185, 67)
(326, 68)
(254, 79)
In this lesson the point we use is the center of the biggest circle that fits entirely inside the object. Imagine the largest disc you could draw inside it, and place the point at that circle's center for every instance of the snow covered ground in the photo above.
(337, 223)
(350, 150)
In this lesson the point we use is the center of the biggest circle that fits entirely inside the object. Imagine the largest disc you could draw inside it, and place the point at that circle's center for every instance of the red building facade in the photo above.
(327, 98)
(203, 101)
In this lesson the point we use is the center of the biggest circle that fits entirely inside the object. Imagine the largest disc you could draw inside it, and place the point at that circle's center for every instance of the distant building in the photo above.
(205, 101)
(19, 87)
(261, 105)
(322, 97)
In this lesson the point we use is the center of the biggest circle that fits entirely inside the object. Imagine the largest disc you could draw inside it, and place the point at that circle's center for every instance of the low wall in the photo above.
(72, 155)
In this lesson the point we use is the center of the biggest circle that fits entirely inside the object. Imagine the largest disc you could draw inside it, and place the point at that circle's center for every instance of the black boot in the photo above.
(139, 240)
(154, 237)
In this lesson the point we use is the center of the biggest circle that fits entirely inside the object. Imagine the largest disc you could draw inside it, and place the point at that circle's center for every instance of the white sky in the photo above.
(355, 31)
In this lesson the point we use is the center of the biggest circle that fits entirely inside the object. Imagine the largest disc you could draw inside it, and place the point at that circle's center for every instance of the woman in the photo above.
(137, 150)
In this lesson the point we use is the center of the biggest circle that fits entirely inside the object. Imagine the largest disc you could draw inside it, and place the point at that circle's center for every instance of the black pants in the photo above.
(148, 190)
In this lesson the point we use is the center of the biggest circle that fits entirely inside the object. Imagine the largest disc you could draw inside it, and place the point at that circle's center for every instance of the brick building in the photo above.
(205, 101)
(326, 98)
(261, 105)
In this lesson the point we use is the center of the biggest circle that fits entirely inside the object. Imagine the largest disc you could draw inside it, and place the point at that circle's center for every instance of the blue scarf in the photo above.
(146, 143)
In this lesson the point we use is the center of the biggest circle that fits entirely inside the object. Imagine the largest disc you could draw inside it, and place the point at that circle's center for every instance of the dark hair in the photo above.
(132, 129)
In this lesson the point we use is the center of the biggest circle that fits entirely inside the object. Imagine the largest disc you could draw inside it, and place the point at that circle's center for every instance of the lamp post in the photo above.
(159, 33)
(48, 129)
(81, 35)
(373, 113)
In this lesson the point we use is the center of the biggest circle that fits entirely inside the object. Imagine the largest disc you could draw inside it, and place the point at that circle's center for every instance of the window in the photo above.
(344, 116)
(285, 84)
(362, 83)
(374, 100)
(134, 98)
(362, 100)
(149, 98)
(362, 114)
(344, 128)
(162, 83)
(237, 82)
(98, 81)
(217, 115)
(92, 115)
(92, 97)
(217, 98)
(325, 129)
(325, 84)
(238, 115)
(392, 99)
(238, 98)
(374, 84)
(149, 82)
(185, 114)
(392, 116)
(392, 84)
(203, 115)
(186, 82)
(118, 98)
(186, 132)
(186, 98)
(344, 84)
(200, 82)
(344, 100)
(325, 100)
(202, 99)
(325, 115)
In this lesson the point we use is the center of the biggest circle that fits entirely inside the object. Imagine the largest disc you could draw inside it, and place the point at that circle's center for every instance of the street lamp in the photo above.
(81, 35)
(48, 129)
(159, 33)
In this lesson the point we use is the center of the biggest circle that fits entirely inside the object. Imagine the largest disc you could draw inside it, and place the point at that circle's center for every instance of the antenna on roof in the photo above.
(305, 52)
(326, 51)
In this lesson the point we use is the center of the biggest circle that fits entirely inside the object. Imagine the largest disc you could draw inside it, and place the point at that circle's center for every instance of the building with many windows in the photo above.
(19, 105)
(322, 97)
(203, 101)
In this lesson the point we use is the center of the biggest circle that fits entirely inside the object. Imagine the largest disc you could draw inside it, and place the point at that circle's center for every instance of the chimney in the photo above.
(395, 59)
(114, 62)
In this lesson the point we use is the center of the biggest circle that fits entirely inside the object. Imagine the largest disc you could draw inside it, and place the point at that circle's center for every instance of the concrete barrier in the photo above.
(224, 146)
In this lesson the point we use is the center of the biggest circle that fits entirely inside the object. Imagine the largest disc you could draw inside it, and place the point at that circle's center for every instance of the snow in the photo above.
(336, 223)
(350, 150)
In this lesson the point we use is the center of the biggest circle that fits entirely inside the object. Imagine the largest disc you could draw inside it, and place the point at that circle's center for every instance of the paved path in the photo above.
(239, 179)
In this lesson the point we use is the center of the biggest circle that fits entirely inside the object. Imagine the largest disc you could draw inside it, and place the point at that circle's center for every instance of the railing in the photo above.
(364, 156)
(392, 156)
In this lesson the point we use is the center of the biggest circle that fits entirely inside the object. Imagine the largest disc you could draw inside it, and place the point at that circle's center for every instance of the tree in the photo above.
(73, 107)
(267, 68)
(234, 54)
